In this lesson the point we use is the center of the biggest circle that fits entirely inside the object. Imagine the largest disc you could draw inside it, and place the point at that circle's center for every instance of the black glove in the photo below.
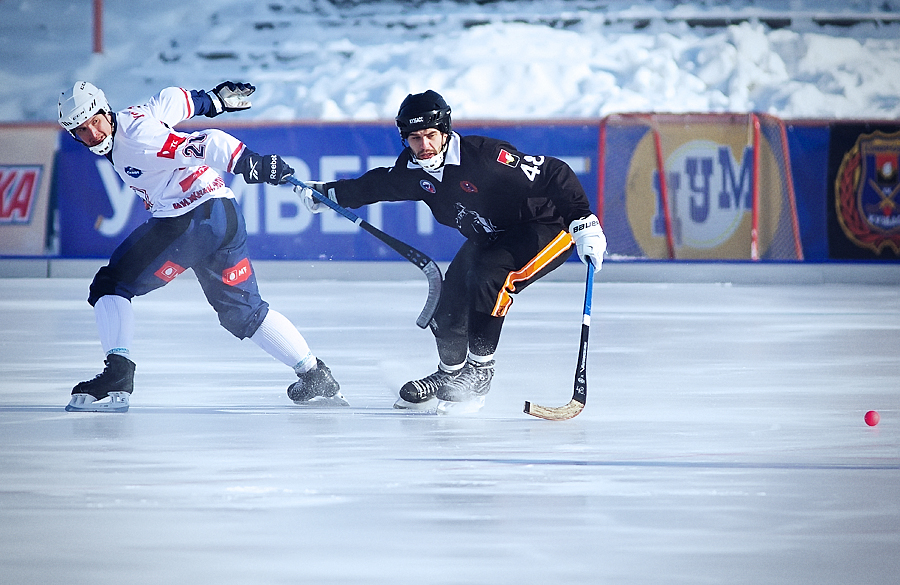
(256, 168)
(230, 97)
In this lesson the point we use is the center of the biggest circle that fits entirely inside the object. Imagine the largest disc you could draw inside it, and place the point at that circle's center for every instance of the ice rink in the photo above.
(723, 442)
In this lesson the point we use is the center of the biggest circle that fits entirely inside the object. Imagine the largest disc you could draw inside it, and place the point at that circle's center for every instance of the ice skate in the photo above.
(316, 387)
(115, 382)
(457, 408)
(465, 393)
(419, 394)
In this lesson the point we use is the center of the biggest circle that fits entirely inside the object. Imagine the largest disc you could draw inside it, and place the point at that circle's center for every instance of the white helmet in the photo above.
(77, 105)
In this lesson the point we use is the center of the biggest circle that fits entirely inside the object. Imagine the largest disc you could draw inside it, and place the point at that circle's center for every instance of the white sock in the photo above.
(450, 369)
(479, 359)
(115, 324)
(278, 337)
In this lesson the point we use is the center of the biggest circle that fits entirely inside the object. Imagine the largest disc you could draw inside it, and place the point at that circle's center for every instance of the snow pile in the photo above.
(357, 59)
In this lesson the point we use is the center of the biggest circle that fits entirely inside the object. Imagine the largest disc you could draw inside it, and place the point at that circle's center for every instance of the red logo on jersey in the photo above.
(142, 193)
(189, 180)
(168, 149)
(238, 273)
(169, 271)
(135, 115)
(468, 187)
(507, 158)
(18, 193)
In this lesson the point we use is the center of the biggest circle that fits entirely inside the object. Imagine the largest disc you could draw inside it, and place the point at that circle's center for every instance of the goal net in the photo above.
(697, 186)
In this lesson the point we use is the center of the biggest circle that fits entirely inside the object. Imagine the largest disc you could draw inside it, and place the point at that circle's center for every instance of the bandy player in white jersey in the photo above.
(171, 171)
(195, 223)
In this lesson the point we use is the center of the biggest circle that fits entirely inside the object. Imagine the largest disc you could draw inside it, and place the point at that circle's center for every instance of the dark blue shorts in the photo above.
(211, 240)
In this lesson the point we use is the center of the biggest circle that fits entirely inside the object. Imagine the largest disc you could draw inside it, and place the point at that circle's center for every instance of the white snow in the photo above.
(550, 59)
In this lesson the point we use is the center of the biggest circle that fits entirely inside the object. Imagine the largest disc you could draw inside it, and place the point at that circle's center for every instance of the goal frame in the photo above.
(754, 122)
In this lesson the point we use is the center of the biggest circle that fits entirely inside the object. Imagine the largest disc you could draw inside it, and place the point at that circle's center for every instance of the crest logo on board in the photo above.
(866, 192)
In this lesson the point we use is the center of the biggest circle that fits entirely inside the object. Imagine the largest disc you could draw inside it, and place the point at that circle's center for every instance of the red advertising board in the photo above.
(26, 164)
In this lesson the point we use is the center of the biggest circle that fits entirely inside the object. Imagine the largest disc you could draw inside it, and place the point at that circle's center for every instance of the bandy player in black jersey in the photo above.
(521, 215)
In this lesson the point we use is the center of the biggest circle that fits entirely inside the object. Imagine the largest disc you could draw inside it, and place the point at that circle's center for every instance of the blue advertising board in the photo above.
(97, 211)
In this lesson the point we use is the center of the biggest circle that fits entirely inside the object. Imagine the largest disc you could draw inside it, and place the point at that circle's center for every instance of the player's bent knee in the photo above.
(104, 283)
(240, 322)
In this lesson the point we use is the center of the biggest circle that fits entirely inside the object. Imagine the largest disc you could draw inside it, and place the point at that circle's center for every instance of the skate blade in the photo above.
(428, 406)
(457, 408)
(337, 400)
(118, 402)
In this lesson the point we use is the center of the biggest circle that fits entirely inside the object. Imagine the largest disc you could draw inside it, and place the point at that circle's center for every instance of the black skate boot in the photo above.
(418, 394)
(317, 387)
(466, 392)
(116, 381)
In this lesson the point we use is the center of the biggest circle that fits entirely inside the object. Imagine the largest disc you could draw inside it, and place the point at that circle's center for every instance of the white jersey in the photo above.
(173, 172)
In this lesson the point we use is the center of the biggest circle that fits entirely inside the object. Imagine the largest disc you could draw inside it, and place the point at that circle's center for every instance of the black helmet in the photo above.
(423, 110)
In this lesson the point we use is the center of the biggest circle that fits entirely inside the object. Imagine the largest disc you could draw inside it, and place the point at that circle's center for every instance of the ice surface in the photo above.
(723, 442)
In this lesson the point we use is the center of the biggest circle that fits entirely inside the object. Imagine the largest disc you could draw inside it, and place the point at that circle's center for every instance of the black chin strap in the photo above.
(114, 126)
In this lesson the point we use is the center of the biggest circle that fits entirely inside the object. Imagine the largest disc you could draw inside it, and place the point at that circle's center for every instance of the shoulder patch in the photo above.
(427, 185)
(507, 158)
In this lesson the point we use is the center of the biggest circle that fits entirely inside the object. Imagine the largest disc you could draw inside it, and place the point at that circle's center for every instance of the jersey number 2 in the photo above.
(195, 147)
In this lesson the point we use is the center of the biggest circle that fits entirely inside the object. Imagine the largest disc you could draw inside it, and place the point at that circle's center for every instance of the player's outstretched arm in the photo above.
(256, 168)
(305, 192)
(228, 96)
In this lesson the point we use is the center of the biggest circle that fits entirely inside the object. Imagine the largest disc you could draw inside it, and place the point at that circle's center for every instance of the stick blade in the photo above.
(435, 280)
(570, 410)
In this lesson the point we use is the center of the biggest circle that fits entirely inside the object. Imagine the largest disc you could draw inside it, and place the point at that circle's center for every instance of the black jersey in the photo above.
(485, 187)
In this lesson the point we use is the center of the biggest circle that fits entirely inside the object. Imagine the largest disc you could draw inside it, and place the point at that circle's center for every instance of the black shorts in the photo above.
(484, 278)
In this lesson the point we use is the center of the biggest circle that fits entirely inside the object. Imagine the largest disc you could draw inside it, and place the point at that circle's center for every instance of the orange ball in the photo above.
(872, 418)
